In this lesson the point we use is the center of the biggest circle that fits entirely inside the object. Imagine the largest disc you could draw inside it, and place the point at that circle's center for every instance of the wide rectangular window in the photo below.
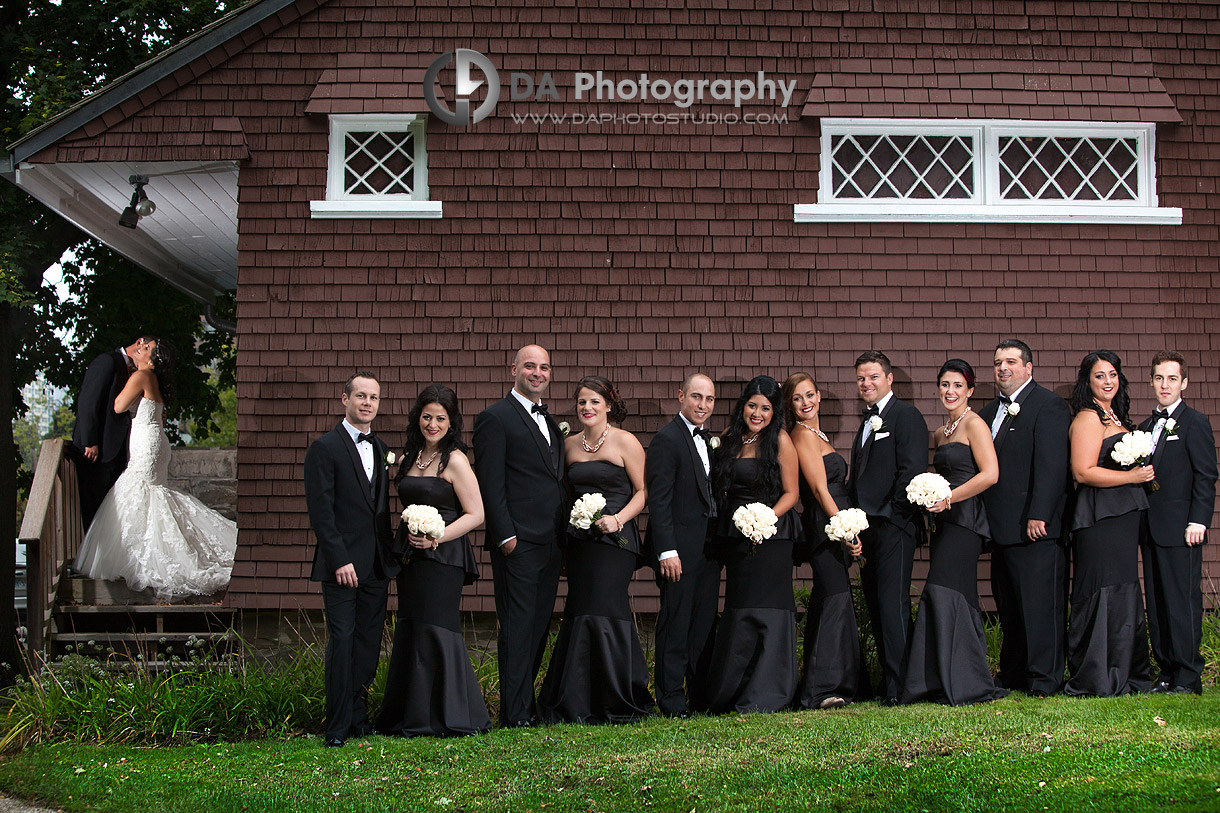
(377, 167)
(1001, 171)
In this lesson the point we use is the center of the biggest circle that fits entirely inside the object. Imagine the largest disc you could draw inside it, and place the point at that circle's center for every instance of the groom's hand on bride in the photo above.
(346, 576)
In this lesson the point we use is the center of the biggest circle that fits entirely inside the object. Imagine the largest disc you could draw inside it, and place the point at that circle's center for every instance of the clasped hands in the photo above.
(424, 542)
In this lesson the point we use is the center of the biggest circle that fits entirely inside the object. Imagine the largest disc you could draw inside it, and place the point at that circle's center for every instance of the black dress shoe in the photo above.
(332, 742)
(1161, 688)
(522, 724)
(1196, 689)
(890, 702)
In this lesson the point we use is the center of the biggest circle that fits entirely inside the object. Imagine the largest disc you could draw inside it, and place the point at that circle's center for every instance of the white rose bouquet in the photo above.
(756, 522)
(424, 520)
(587, 510)
(927, 489)
(1134, 449)
(846, 525)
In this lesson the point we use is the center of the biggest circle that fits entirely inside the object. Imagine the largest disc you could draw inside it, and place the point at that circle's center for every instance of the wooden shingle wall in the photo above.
(644, 251)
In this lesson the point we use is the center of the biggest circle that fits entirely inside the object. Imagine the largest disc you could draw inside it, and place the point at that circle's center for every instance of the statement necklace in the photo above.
(817, 432)
(950, 428)
(749, 440)
(1110, 412)
(593, 449)
(422, 466)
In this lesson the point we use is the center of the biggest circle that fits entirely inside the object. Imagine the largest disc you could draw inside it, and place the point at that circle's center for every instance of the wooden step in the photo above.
(82, 590)
(144, 609)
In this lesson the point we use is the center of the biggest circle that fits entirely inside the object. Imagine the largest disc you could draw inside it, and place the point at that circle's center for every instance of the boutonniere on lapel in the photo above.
(390, 457)
(1171, 428)
(713, 442)
(1013, 409)
(564, 429)
(877, 424)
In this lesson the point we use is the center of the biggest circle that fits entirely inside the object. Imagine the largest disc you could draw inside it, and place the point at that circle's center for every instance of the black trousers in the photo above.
(526, 582)
(889, 552)
(1174, 595)
(355, 621)
(1029, 582)
(686, 628)
(94, 481)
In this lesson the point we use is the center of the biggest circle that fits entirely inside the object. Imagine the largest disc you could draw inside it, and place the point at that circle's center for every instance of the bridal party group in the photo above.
(1048, 486)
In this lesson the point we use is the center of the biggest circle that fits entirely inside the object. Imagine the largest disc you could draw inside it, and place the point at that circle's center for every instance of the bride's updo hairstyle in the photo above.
(768, 488)
(1082, 394)
(603, 387)
(447, 398)
(163, 368)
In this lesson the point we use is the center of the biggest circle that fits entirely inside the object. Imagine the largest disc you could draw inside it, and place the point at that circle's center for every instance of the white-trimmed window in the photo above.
(997, 171)
(377, 168)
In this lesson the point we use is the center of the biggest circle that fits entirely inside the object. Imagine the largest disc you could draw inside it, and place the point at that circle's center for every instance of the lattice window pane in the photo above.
(1069, 168)
(379, 163)
(902, 167)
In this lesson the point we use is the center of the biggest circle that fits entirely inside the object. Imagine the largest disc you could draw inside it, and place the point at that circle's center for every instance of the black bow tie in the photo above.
(361, 438)
(1004, 399)
(872, 410)
(1159, 413)
(538, 408)
(699, 432)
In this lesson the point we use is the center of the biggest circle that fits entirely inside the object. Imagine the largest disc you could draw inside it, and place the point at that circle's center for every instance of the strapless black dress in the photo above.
(753, 662)
(947, 660)
(1107, 635)
(833, 659)
(597, 672)
(431, 689)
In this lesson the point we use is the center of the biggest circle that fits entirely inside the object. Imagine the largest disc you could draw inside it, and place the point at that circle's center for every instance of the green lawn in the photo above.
(1015, 754)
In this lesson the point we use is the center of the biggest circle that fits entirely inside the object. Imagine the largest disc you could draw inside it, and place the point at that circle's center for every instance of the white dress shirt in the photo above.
(868, 425)
(539, 418)
(1002, 412)
(364, 449)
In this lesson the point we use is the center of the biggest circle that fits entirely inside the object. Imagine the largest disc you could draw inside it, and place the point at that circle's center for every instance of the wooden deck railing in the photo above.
(51, 532)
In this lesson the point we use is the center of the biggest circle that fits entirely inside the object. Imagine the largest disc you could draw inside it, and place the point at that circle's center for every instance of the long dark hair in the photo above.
(447, 398)
(163, 368)
(1082, 395)
(768, 486)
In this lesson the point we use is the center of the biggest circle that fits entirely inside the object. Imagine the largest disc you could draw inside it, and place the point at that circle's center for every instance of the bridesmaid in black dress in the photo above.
(947, 662)
(1107, 636)
(597, 672)
(431, 688)
(753, 663)
(834, 664)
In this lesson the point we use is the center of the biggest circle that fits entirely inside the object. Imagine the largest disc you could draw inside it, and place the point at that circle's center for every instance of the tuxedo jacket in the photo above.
(350, 516)
(680, 500)
(1033, 452)
(882, 469)
(520, 475)
(1185, 463)
(97, 424)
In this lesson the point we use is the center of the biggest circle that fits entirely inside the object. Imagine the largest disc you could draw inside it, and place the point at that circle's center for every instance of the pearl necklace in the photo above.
(950, 428)
(815, 431)
(424, 465)
(593, 449)
(1110, 412)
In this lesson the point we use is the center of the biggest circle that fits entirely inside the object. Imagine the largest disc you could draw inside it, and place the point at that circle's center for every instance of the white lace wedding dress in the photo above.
(151, 535)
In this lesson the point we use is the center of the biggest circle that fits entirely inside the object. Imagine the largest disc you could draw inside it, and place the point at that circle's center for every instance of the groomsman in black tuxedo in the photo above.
(1175, 527)
(889, 449)
(99, 439)
(347, 492)
(1025, 510)
(680, 505)
(518, 452)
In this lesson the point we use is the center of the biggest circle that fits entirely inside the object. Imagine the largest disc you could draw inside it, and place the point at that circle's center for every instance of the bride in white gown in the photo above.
(146, 532)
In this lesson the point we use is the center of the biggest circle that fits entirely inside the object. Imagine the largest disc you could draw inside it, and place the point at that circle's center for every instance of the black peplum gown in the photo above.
(597, 672)
(834, 663)
(753, 663)
(947, 661)
(1107, 636)
(430, 688)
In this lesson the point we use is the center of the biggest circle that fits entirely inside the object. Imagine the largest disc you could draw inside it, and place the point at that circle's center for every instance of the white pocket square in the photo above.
(1171, 437)
(881, 435)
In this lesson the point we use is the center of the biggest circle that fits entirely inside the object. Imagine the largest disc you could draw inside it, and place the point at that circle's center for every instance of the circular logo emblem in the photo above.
(461, 115)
